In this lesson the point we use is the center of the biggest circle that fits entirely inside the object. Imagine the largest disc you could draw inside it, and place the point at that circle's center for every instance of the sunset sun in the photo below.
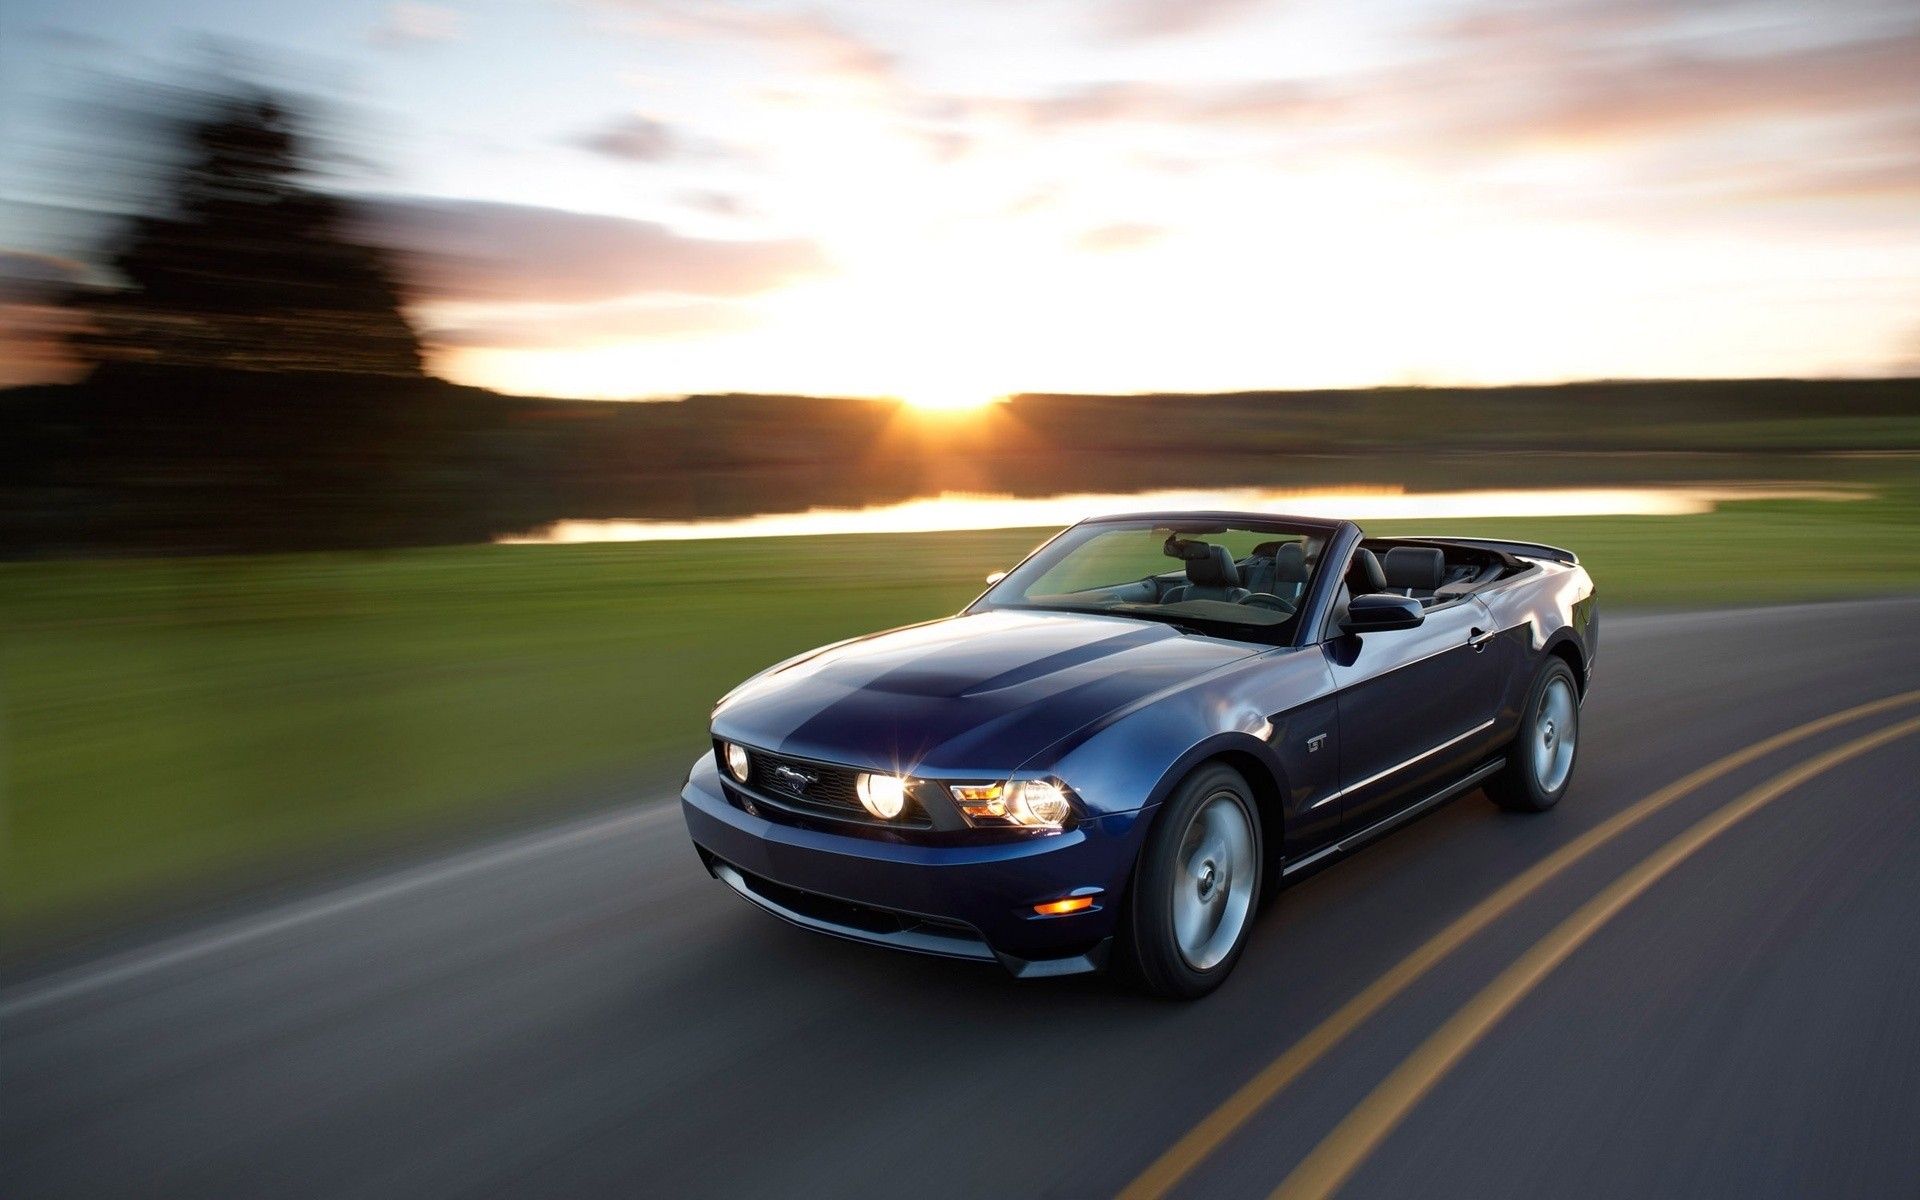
(938, 399)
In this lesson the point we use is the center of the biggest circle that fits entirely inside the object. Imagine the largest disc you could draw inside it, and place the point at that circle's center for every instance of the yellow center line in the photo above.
(1206, 1137)
(1340, 1154)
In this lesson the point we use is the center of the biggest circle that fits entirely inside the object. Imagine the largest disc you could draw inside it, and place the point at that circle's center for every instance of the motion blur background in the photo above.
(418, 414)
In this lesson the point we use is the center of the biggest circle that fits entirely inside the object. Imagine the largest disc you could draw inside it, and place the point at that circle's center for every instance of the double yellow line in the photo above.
(1335, 1159)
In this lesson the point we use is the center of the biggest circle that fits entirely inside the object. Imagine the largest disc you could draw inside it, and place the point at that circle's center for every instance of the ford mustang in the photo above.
(1136, 735)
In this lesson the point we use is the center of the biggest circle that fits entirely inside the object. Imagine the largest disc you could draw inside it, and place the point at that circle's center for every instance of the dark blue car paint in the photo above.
(1121, 710)
(980, 691)
(1410, 691)
(990, 886)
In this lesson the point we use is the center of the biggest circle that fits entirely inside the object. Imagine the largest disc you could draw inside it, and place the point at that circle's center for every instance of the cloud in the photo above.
(1253, 103)
(825, 46)
(642, 139)
(715, 203)
(33, 328)
(29, 277)
(813, 40)
(477, 250)
(1888, 178)
(1166, 18)
(1125, 235)
(1679, 101)
(635, 139)
(410, 24)
(1497, 73)
(586, 326)
(62, 37)
(1600, 92)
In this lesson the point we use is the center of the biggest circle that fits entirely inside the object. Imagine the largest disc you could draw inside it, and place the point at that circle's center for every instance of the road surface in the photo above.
(582, 1012)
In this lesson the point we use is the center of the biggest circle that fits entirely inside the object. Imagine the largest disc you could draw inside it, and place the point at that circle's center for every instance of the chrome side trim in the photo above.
(1425, 754)
(1355, 841)
(950, 946)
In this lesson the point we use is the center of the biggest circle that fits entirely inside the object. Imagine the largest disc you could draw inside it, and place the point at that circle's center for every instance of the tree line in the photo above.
(253, 385)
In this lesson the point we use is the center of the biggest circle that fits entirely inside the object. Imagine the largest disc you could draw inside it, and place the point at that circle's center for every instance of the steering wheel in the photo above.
(1269, 600)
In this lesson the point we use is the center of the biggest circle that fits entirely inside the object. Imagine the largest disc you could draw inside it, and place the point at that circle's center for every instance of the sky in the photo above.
(952, 201)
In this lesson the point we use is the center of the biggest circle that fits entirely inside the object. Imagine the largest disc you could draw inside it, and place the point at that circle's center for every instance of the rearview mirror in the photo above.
(1380, 611)
(995, 577)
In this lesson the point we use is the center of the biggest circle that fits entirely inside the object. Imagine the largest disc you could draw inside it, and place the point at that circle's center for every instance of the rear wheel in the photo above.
(1540, 761)
(1191, 904)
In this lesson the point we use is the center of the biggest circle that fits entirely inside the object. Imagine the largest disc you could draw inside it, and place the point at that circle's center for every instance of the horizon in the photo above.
(650, 199)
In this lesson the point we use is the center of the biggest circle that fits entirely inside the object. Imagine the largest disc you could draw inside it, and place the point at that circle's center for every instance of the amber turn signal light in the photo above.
(1072, 904)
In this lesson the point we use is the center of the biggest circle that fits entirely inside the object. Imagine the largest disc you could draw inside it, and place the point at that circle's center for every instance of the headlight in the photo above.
(1030, 803)
(882, 795)
(738, 764)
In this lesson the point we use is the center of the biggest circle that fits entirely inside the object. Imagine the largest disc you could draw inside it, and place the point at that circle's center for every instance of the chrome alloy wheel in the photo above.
(1556, 725)
(1213, 887)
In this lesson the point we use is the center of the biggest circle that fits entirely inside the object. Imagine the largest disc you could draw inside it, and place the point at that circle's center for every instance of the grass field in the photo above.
(171, 722)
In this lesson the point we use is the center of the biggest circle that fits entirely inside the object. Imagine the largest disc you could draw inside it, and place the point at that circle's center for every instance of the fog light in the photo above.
(738, 764)
(882, 795)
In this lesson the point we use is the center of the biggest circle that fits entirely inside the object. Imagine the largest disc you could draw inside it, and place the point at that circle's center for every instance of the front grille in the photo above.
(815, 788)
(814, 783)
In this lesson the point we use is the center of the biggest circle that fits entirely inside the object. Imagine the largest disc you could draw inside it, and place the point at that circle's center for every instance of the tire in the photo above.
(1195, 888)
(1540, 760)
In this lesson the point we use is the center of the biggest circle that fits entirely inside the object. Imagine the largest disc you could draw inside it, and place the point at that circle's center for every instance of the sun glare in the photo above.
(942, 400)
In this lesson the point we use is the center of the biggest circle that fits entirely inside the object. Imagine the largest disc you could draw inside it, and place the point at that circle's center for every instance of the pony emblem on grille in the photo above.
(793, 778)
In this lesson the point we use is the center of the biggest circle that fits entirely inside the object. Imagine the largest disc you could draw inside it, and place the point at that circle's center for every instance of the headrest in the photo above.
(1217, 569)
(1290, 563)
(1416, 567)
(1364, 576)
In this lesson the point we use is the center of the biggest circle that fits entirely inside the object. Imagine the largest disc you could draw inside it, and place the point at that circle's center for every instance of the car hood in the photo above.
(984, 691)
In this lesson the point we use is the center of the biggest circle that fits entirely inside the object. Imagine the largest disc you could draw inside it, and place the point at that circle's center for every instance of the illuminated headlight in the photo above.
(1031, 803)
(882, 795)
(738, 765)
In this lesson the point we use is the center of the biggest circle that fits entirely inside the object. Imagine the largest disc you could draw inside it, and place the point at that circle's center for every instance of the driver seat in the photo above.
(1215, 577)
(1364, 577)
(1278, 569)
(1364, 574)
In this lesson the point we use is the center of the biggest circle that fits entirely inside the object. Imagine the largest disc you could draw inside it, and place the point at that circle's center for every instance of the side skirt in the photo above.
(1353, 841)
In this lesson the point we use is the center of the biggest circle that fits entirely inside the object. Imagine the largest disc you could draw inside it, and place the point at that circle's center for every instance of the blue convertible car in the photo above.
(1114, 754)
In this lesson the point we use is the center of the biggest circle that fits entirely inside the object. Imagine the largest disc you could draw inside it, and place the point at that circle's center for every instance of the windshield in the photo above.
(1238, 581)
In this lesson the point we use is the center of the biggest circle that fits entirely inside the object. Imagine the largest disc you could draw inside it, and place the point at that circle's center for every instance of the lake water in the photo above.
(962, 510)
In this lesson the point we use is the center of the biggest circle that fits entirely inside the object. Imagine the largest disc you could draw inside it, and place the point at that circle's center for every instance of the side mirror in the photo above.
(1380, 611)
(995, 577)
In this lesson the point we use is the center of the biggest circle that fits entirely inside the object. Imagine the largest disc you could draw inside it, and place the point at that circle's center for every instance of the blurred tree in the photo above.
(251, 270)
(255, 385)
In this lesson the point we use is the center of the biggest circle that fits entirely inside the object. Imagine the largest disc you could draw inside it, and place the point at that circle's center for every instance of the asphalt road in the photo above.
(583, 1012)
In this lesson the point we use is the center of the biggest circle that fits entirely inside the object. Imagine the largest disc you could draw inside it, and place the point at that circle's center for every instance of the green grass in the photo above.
(168, 723)
(1749, 552)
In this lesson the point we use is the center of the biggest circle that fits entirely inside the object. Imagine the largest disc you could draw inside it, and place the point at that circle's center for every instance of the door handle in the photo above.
(1479, 638)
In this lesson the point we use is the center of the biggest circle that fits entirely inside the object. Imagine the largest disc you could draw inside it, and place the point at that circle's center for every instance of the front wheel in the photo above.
(1191, 904)
(1540, 761)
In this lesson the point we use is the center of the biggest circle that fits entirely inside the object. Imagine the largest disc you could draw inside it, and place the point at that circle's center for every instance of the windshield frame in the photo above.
(1005, 593)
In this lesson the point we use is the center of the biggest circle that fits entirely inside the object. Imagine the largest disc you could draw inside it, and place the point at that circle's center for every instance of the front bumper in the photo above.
(959, 901)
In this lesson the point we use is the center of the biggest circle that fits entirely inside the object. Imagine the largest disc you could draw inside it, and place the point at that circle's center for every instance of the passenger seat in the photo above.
(1278, 569)
(1415, 571)
(1215, 577)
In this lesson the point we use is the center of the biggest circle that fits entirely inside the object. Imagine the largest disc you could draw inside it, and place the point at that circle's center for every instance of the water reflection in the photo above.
(965, 510)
